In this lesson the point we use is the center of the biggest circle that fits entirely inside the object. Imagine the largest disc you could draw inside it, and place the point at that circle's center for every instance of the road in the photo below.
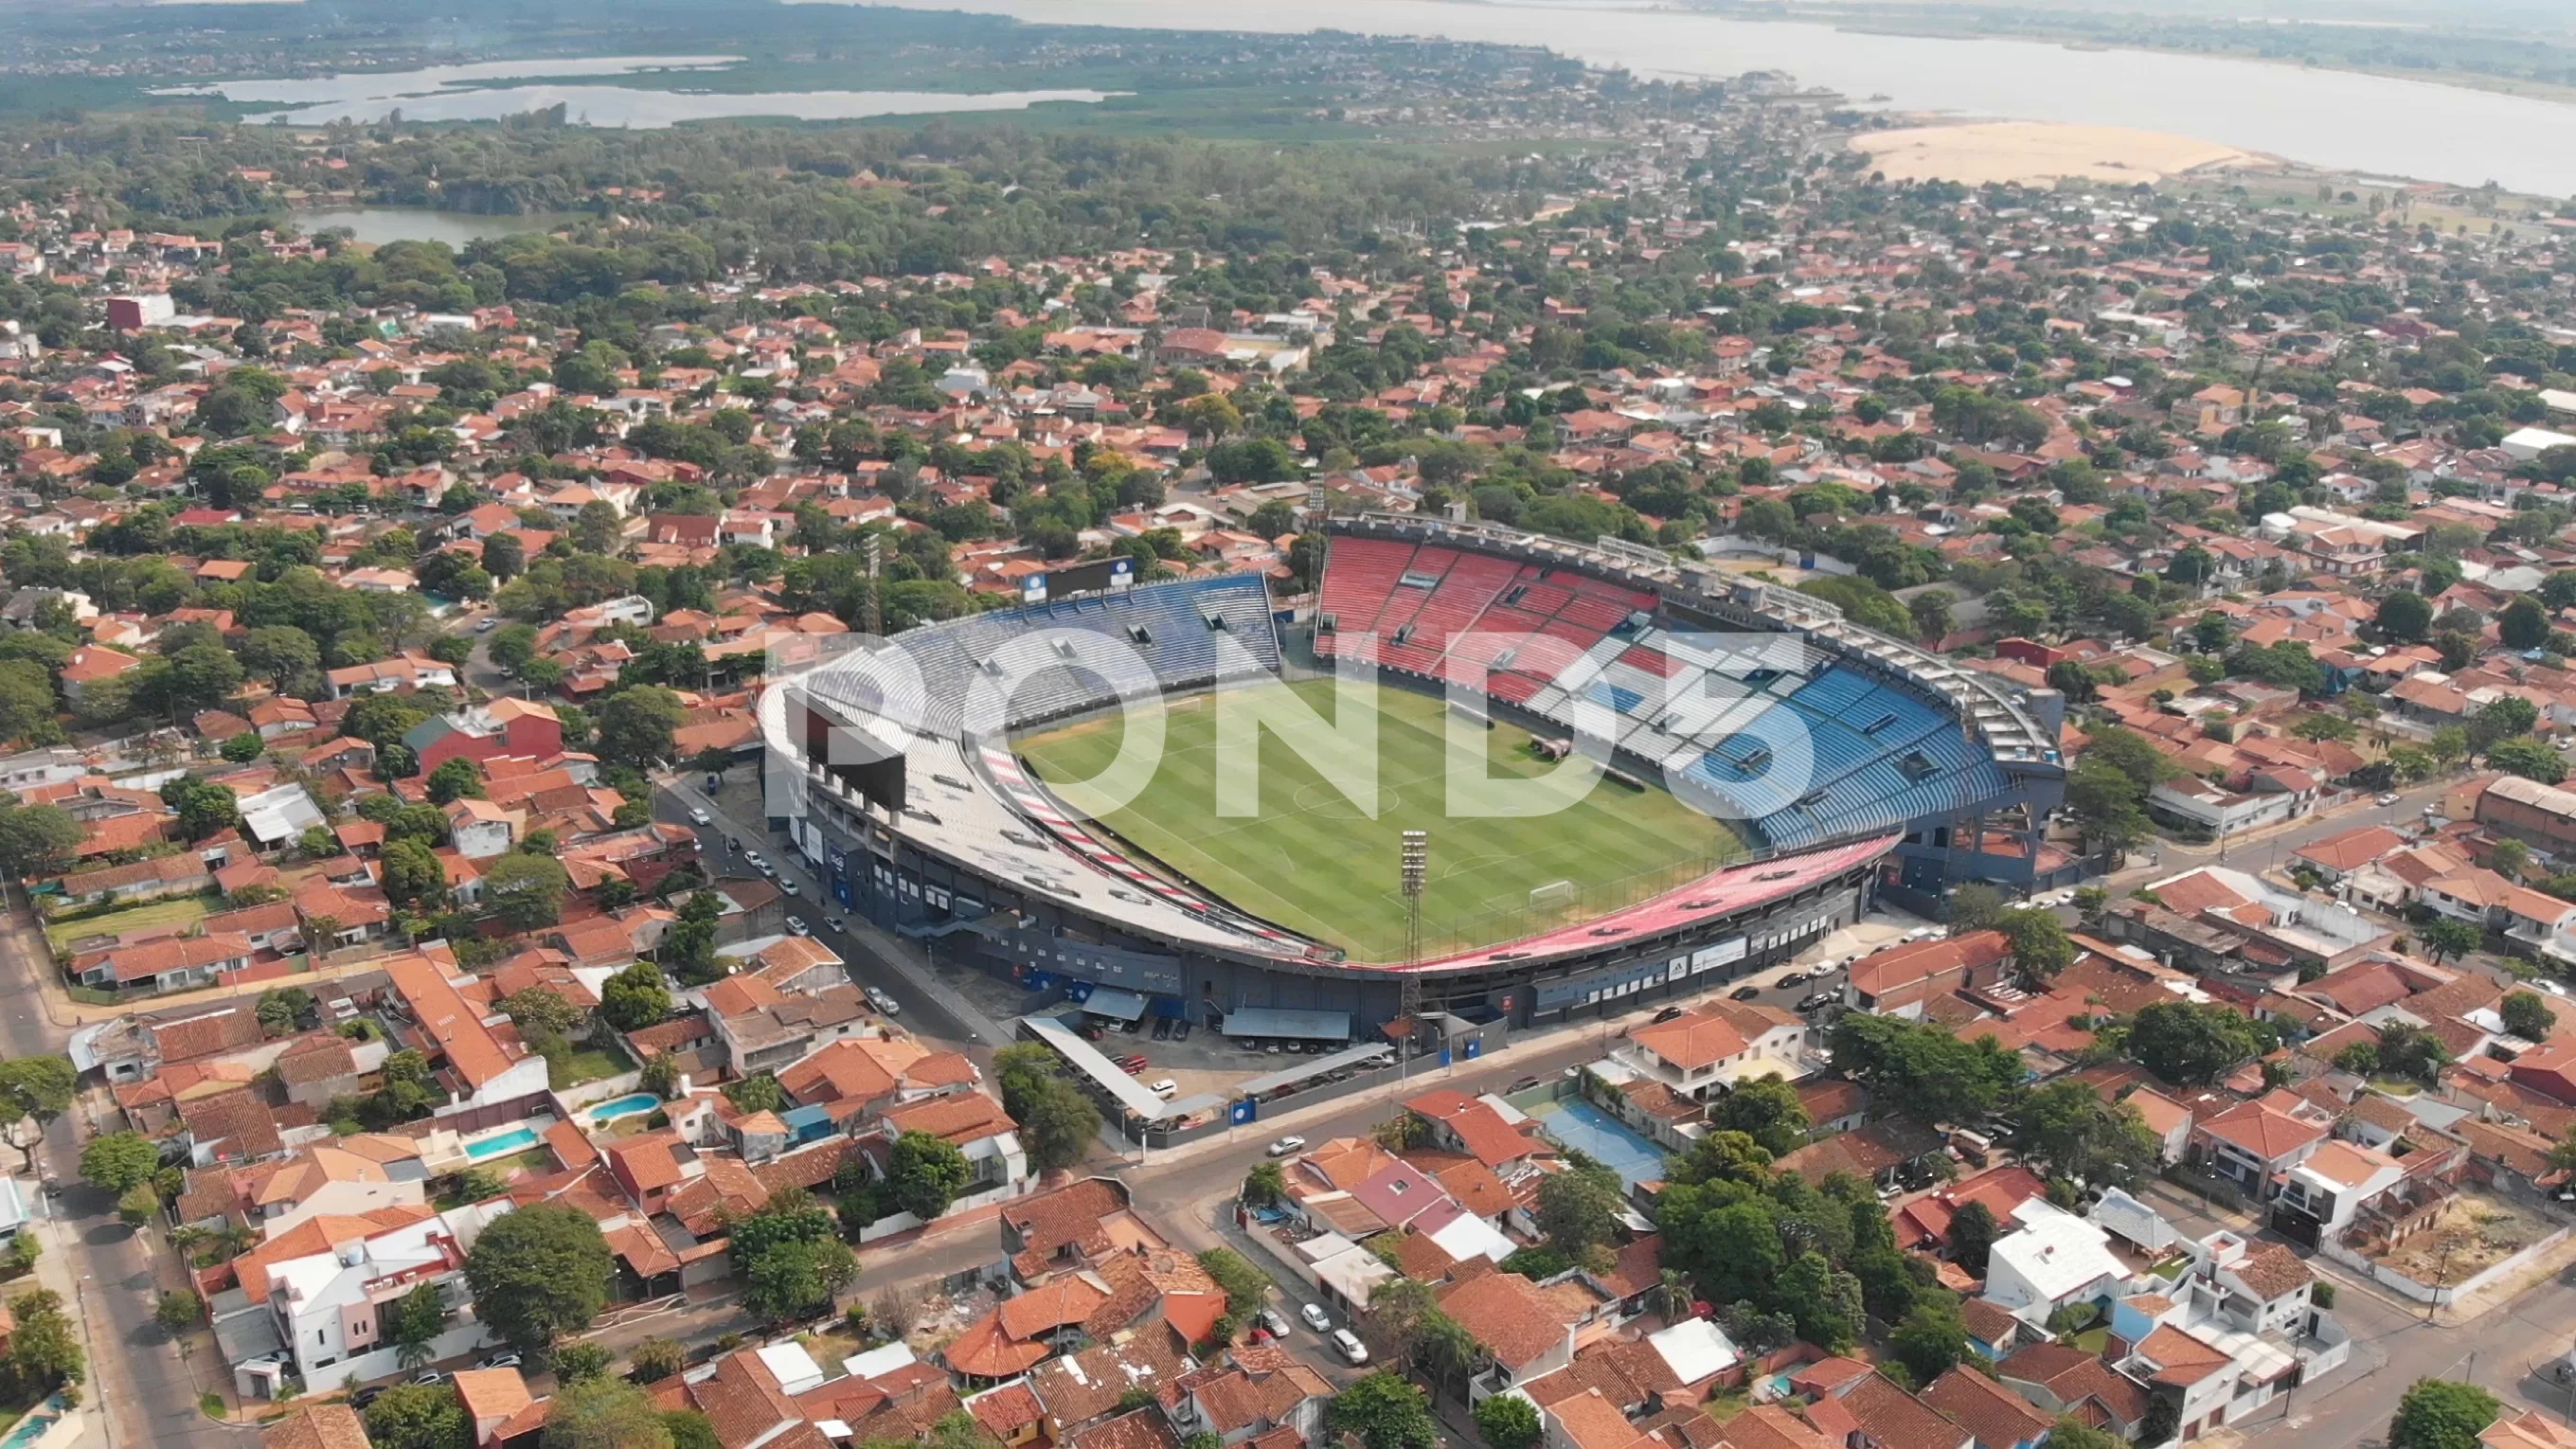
(136, 1371)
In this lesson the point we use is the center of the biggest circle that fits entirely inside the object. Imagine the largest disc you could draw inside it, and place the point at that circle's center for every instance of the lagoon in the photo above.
(377, 225)
(465, 93)
(2341, 119)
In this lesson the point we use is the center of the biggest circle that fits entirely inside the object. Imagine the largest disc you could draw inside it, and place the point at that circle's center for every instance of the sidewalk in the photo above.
(896, 953)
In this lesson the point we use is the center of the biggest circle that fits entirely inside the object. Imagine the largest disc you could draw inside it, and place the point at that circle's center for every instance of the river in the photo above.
(462, 93)
(2340, 119)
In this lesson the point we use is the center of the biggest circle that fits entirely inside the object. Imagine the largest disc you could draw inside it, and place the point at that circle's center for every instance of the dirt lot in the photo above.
(2474, 1232)
(2037, 153)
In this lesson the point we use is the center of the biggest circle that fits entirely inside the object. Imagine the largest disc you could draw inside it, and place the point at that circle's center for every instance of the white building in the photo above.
(329, 1305)
(2051, 1259)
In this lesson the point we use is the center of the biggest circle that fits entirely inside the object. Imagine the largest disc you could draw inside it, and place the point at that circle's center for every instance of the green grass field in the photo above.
(1312, 862)
(180, 913)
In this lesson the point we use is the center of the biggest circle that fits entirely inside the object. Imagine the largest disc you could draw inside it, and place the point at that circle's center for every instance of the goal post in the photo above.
(1553, 896)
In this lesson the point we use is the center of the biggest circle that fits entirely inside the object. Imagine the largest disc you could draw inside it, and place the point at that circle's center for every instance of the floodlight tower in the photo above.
(1415, 868)
(876, 584)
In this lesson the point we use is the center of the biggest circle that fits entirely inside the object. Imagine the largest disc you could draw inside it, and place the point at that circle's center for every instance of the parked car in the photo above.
(835, 924)
(700, 817)
(787, 886)
(1131, 1065)
(1132, 1027)
(366, 1396)
(885, 1005)
(1791, 978)
(1523, 1085)
(1350, 1346)
(755, 860)
(1668, 1013)
(1316, 1318)
(1817, 1001)
(1286, 1145)
(1162, 1028)
(2387, 797)
(499, 1360)
(1272, 1323)
(1165, 1089)
(430, 1376)
(1744, 993)
(796, 926)
(490, 623)
(1181, 1031)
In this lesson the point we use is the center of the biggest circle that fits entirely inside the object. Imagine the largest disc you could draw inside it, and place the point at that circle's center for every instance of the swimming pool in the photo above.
(517, 1140)
(602, 1113)
(32, 1428)
(1577, 1124)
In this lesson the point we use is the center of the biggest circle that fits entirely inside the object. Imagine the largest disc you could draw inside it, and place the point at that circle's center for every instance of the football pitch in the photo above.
(1312, 862)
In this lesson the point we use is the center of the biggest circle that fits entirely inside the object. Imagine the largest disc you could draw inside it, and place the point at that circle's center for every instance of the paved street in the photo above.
(136, 1373)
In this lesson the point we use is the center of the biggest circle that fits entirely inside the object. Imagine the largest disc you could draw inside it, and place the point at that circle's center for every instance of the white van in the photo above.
(1165, 1089)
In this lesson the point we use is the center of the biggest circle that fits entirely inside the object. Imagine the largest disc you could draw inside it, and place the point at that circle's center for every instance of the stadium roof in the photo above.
(1086, 1058)
(1275, 1021)
(1309, 1068)
(1115, 1002)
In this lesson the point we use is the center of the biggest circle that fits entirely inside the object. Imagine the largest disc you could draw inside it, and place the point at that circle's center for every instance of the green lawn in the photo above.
(182, 912)
(1311, 861)
(590, 1062)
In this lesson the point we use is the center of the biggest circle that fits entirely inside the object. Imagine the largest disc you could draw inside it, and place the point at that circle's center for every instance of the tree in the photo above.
(635, 998)
(656, 1359)
(137, 1204)
(1244, 1285)
(2529, 758)
(1059, 1125)
(2191, 1045)
(2405, 616)
(525, 891)
(120, 1161)
(1765, 1109)
(926, 1174)
(281, 1009)
(2522, 624)
(280, 653)
(456, 778)
(1577, 1210)
(576, 1362)
(1974, 906)
(412, 875)
(1825, 1300)
(1507, 1421)
(1931, 1341)
(2039, 945)
(2501, 719)
(2068, 1131)
(539, 1273)
(178, 1312)
(635, 726)
(37, 840)
(203, 807)
(791, 1259)
(419, 1416)
(1264, 1185)
(2441, 1414)
(503, 556)
(44, 1349)
(413, 1322)
(541, 1011)
(243, 748)
(2451, 939)
(38, 1087)
(1922, 1069)
(604, 1413)
(760, 1093)
(2074, 1433)
(1385, 1412)
(2527, 1016)
(1973, 1231)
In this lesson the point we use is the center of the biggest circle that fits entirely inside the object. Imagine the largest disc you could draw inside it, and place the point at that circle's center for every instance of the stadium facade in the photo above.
(1856, 766)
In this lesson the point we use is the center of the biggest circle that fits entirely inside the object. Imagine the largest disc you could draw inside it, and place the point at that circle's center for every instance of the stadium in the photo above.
(1765, 770)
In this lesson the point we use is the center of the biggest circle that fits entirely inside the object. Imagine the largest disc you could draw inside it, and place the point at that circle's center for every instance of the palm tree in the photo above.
(1443, 1349)
(1671, 1296)
(411, 1355)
